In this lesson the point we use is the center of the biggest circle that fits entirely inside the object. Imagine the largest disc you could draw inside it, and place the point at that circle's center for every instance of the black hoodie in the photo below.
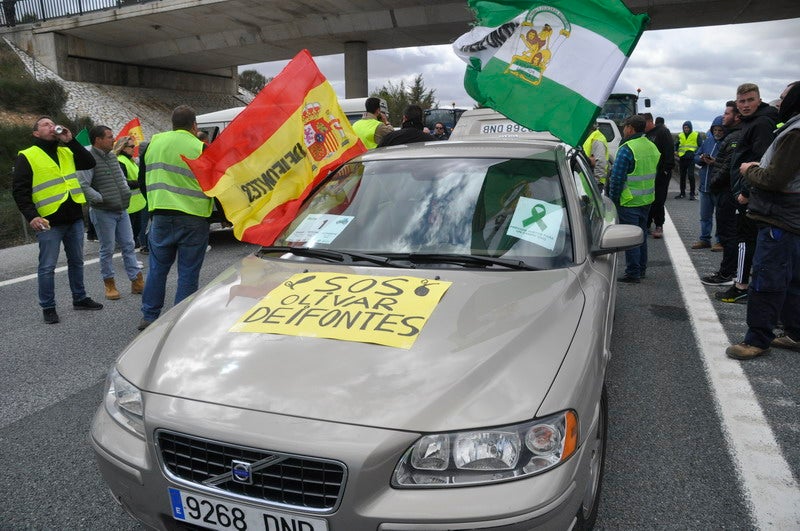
(758, 132)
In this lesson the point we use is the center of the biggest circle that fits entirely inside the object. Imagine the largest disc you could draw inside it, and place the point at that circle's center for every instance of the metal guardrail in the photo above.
(28, 11)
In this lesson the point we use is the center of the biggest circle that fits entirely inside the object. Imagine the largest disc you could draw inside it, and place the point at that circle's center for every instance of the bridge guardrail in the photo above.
(28, 11)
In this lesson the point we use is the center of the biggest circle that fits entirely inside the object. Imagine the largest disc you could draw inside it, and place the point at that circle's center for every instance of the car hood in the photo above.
(487, 355)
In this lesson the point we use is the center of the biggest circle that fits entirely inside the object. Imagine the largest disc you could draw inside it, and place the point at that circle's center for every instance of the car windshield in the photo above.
(438, 207)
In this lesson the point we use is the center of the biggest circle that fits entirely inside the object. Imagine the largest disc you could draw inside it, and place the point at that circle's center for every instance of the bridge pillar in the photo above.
(75, 59)
(355, 69)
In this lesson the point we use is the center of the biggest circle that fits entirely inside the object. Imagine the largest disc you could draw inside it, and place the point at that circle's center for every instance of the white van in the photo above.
(214, 122)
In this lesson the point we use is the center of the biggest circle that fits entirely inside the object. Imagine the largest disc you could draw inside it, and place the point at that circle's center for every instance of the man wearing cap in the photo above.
(631, 186)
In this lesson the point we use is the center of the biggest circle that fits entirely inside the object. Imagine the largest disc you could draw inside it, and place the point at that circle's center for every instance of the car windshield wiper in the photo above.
(463, 259)
(331, 255)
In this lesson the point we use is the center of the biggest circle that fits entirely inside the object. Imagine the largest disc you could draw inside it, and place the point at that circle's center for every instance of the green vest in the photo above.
(53, 183)
(687, 143)
(365, 129)
(640, 187)
(171, 185)
(138, 201)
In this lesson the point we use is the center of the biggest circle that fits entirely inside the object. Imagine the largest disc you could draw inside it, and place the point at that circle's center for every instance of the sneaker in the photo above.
(680, 196)
(743, 351)
(144, 250)
(144, 323)
(732, 294)
(780, 342)
(691, 197)
(717, 280)
(626, 279)
(50, 315)
(701, 244)
(717, 248)
(658, 233)
(87, 304)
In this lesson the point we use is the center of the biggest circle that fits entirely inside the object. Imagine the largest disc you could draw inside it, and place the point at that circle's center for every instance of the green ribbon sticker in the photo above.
(537, 213)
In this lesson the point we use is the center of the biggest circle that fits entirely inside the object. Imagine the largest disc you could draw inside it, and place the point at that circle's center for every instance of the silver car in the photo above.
(423, 348)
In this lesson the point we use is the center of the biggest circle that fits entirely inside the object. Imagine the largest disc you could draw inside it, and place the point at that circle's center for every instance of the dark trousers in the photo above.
(686, 166)
(657, 207)
(636, 258)
(726, 231)
(746, 234)
(775, 289)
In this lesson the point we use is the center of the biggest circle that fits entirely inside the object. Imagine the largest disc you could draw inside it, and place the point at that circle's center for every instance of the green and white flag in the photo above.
(548, 65)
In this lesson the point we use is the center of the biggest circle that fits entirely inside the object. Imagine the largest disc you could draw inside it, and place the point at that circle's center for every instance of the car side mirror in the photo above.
(617, 238)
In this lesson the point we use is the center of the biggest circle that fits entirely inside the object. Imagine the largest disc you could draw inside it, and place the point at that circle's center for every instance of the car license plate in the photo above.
(225, 515)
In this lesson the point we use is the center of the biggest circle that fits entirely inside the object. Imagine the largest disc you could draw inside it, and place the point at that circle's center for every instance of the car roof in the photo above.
(527, 148)
(488, 124)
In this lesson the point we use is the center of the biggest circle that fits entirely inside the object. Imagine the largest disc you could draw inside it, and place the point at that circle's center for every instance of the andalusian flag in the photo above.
(267, 161)
(132, 129)
(548, 65)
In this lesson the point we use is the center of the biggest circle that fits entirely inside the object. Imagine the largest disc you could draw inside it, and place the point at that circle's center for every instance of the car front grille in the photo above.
(287, 480)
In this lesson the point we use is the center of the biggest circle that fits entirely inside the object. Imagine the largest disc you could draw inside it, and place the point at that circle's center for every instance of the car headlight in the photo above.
(124, 402)
(485, 456)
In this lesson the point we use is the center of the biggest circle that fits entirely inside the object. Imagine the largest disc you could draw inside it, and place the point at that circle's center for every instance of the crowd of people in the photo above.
(155, 204)
(749, 184)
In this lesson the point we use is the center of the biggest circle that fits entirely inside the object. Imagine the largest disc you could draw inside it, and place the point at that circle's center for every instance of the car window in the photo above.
(481, 206)
(589, 198)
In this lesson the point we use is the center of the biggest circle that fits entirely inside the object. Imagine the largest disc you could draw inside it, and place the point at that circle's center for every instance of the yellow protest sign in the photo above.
(368, 309)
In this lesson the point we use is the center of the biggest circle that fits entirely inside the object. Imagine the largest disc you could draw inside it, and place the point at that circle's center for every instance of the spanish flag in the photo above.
(132, 129)
(270, 157)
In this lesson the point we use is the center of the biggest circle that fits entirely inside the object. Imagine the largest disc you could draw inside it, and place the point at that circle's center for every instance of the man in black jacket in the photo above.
(725, 203)
(47, 192)
(411, 130)
(758, 131)
(662, 138)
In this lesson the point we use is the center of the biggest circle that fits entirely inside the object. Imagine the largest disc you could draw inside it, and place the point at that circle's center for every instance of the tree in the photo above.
(398, 97)
(253, 81)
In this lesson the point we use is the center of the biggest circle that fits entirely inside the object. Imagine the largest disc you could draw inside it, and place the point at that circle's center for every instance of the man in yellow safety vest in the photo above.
(632, 188)
(180, 212)
(47, 192)
(687, 143)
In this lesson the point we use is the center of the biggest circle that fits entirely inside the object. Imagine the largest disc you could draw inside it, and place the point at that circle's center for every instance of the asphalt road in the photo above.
(669, 458)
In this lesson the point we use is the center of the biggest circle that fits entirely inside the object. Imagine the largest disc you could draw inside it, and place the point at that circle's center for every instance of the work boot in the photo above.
(111, 289)
(137, 284)
(743, 351)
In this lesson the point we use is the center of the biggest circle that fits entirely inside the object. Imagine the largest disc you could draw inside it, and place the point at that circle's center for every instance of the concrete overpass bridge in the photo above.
(198, 44)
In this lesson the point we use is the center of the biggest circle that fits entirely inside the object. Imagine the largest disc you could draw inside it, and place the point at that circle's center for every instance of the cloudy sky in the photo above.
(688, 74)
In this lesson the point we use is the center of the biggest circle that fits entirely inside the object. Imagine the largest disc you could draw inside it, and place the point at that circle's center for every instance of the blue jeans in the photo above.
(49, 244)
(707, 203)
(139, 222)
(185, 237)
(774, 287)
(114, 228)
(636, 258)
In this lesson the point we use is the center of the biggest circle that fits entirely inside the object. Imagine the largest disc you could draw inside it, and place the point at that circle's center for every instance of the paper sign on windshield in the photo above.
(369, 309)
(536, 221)
(319, 228)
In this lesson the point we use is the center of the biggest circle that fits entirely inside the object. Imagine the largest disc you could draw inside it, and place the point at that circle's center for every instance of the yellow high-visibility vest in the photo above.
(138, 201)
(687, 143)
(640, 187)
(53, 183)
(171, 185)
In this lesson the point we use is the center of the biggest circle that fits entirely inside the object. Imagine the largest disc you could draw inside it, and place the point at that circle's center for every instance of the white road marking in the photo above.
(17, 280)
(766, 478)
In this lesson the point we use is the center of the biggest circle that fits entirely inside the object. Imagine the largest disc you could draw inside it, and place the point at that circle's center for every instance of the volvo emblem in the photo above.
(242, 472)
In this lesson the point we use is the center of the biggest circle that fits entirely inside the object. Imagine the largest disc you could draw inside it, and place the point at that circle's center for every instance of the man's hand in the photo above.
(746, 166)
(742, 200)
(39, 224)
